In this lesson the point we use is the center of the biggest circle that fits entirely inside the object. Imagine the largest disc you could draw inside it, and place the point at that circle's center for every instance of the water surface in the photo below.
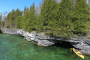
(16, 48)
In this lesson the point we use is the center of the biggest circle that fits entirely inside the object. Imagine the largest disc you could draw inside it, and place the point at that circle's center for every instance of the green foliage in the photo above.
(18, 13)
(25, 9)
(61, 19)
(8, 26)
(64, 18)
(31, 19)
(18, 21)
(12, 15)
(47, 14)
(24, 19)
(80, 17)
(55, 18)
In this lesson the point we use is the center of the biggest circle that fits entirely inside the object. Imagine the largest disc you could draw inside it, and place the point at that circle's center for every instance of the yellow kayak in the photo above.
(77, 53)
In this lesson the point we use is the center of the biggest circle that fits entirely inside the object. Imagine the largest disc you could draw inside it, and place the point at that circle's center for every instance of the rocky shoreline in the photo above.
(82, 43)
(42, 39)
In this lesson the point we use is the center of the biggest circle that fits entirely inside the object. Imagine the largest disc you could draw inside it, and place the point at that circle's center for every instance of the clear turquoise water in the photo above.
(16, 48)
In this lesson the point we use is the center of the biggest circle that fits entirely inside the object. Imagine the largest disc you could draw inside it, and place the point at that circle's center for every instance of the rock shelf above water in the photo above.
(41, 39)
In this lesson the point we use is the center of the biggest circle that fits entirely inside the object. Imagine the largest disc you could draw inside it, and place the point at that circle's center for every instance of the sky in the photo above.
(8, 5)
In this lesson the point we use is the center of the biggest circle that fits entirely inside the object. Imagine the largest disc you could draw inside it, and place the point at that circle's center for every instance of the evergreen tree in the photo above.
(80, 16)
(4, 22)
(8, 20)
(18, 21)
(59, 19)
(63, 24)
(47, 14)
(12, 18)
(25, 9)
(31, 21)
(17, 13)
(24, 19)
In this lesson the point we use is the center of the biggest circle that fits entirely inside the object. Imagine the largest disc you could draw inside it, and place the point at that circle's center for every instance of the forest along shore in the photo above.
(42, 39)
(65, 19)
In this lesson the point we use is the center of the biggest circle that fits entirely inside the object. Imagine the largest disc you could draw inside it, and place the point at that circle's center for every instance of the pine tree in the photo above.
(25, 9)
(9, 20)
(63, 24)
(24, 19)
(17, 13)
(4, 22)
(31, 21)
(80, 16)
(12, 18)
(18, 21)
(47, 14)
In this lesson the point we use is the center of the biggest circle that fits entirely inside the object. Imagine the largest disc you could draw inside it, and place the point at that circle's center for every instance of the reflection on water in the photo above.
(16, 48)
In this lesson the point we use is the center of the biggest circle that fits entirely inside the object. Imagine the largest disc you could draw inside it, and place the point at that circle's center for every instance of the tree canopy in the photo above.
(60, 19)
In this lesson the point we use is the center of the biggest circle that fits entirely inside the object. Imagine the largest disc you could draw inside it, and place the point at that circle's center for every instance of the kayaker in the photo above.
(76, 50)
(79, 53)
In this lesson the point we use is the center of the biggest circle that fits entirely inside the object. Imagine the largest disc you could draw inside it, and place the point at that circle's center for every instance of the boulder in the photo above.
(46, 42)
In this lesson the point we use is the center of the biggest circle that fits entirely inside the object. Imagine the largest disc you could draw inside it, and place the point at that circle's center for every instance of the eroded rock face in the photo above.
(46, 40)
(39, 38)
(9, 31)
(82, 43)
(0, 31)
